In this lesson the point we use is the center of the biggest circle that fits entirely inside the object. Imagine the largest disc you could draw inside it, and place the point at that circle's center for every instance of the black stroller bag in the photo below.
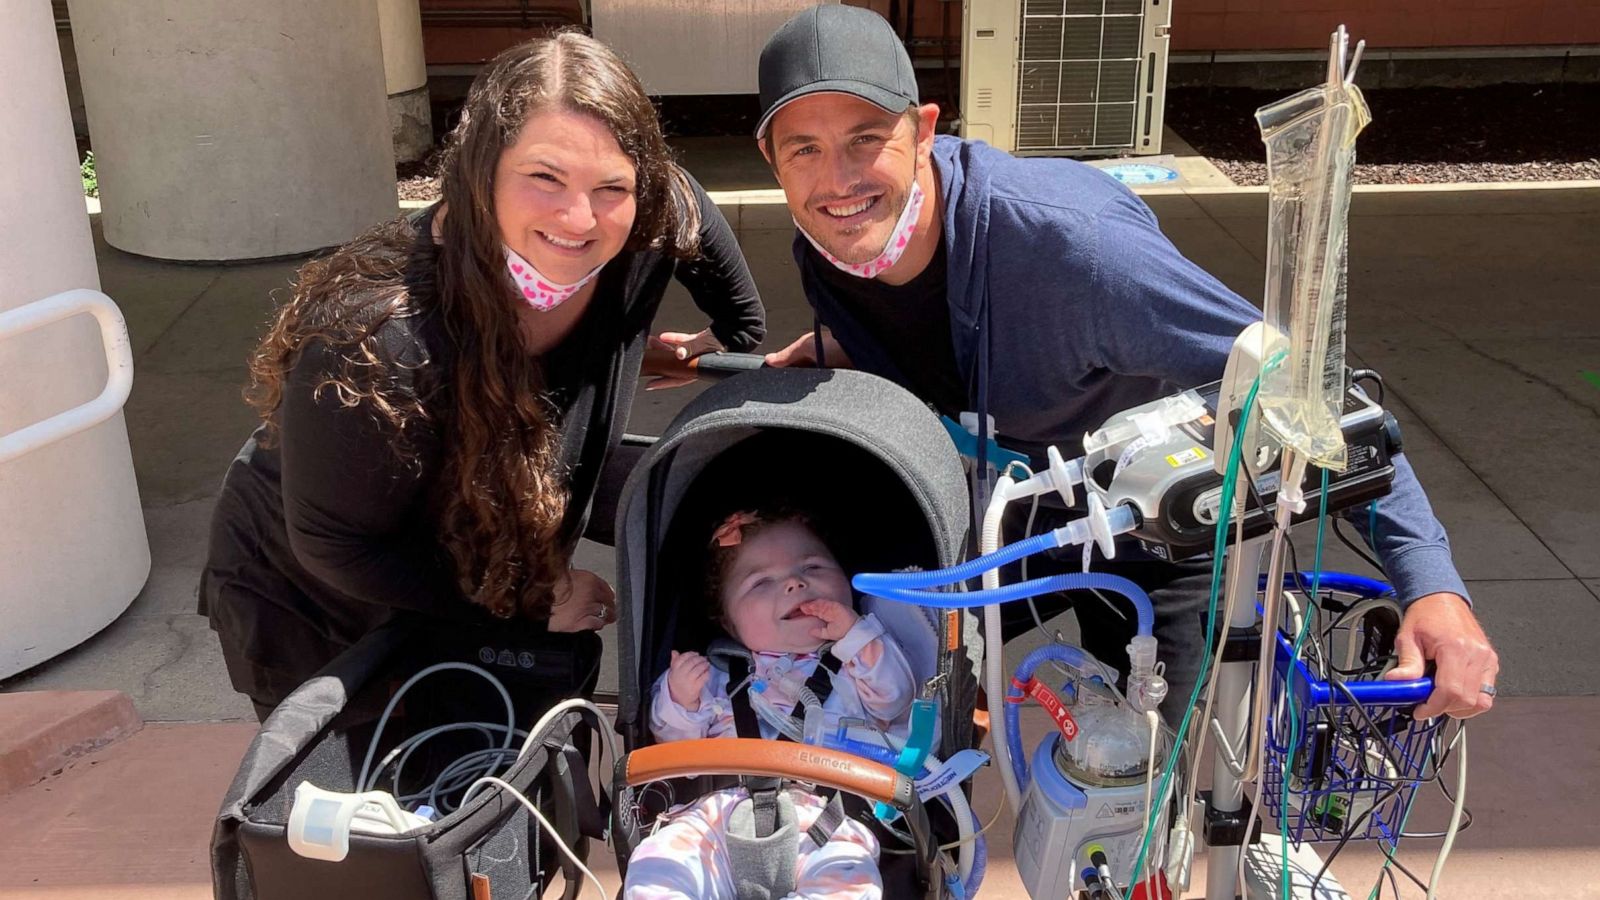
(489, 846)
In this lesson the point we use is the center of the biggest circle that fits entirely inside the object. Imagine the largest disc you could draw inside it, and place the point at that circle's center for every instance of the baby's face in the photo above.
(776, 570)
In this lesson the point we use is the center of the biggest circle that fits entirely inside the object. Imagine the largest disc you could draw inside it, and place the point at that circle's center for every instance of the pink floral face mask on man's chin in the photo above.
(893, 249)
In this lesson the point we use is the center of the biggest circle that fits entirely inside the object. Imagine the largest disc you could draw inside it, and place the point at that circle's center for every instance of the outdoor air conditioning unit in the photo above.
(1065, 77)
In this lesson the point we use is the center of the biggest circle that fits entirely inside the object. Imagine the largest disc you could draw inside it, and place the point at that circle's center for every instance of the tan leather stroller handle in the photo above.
(783, 759)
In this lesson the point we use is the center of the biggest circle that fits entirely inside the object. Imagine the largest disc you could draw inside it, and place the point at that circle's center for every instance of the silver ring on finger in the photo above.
(1487, 689)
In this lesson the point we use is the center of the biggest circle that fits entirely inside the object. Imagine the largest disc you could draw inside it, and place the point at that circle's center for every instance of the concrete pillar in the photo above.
(227, 131)
(405, 73)
(73, 552)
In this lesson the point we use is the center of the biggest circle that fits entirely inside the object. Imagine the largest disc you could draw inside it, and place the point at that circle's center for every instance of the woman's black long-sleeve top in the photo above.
(324, 535)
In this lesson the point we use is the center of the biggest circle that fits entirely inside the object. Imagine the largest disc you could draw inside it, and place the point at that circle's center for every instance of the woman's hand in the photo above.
(667, 356)
(688, 346)
(583, 602)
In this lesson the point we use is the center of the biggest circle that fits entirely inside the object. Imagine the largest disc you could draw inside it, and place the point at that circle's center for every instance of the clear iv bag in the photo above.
(1311, 142)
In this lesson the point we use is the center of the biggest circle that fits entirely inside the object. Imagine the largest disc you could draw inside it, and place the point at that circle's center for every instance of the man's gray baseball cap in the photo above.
(838, 49)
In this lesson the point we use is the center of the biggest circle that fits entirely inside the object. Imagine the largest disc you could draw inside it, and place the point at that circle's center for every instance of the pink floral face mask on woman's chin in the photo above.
(892, 250)
(538, 291)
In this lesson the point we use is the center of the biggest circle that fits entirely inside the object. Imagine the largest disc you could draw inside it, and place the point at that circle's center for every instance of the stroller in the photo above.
(877, 466)
(858, 449)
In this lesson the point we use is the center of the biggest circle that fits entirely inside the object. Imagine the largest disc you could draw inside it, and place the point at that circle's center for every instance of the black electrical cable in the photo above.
(1441, 757)
(1351, 833)
(1444, 788)
(1390, 756)
(1373, 730)
(1294, 569)
(1440, 782)
(1345, 614)
(1294, 566)
(1440, 761)
(1394, 883)
(1366, 556)
(1294, 561)
(1395, 786)
(1357, 549)
(1395, 863)
(1372, 666)
(1375, 666)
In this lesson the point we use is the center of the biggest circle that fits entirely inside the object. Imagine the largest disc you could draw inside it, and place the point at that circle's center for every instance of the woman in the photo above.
(439, 396)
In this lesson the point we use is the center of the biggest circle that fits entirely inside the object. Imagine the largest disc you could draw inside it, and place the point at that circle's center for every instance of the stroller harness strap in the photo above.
(821, 831)
(763, 841)
(758, 853)
(764, 838)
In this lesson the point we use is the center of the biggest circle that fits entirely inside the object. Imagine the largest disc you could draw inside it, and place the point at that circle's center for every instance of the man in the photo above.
(1040, 292)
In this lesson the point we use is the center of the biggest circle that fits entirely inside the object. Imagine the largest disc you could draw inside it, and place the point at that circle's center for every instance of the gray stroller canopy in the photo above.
(866, 458)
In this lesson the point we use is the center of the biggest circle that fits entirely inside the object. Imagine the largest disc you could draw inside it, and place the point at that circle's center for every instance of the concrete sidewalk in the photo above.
(134, 820)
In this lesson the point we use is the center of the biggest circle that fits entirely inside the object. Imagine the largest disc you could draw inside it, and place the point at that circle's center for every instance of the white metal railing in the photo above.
(119, 366)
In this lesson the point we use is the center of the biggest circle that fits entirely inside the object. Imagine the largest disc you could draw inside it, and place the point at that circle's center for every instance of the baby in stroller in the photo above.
(802, 652)
(883, 489)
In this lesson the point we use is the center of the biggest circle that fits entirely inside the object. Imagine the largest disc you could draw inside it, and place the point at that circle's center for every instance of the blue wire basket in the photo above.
(1358, 755)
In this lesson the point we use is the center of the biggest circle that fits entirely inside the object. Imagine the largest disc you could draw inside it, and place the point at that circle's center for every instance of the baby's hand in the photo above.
(686, 678)
(837, 618)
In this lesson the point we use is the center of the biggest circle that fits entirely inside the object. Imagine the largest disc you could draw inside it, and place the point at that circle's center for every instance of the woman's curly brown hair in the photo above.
(503, 492)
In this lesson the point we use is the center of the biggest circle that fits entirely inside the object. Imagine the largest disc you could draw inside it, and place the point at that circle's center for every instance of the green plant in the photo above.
(91, 185)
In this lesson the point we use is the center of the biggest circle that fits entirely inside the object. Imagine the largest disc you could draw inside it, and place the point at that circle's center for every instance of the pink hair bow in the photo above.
(731, 531)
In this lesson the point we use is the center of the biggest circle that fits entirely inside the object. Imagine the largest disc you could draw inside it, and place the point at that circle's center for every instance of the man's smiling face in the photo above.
(846, 168)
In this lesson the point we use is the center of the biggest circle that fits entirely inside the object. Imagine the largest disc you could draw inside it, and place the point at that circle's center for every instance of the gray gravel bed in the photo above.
(1419, 136)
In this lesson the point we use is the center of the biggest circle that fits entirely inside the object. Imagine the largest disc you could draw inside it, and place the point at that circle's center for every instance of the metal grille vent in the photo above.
(1079, 73)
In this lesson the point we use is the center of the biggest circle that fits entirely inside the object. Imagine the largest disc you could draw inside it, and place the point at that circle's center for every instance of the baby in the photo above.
(781, 593)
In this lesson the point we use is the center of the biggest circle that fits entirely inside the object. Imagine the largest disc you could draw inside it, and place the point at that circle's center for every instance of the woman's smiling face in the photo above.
(564, 194)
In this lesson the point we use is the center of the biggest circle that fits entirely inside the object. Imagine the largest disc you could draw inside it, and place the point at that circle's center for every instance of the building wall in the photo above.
(1389, 24)
(467, 32)
(470, 31)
